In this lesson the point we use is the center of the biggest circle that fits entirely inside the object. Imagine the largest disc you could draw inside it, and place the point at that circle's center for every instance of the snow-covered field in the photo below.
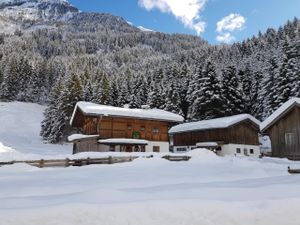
(207, 190)
(20, 125)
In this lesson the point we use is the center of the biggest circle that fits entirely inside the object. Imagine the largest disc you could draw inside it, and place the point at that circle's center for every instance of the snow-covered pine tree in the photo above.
(182, 89)
(284, 77)
(51, 112)
(155, 99)
(231, 92)
(10, 86)
(104, 89)
(194, 91)
(25, 74)
(87, 86)
(208, 103)
(246, 77)
(143, 89)
(172, 102)
(72, 93)
(138, 93)
(134, 99)
(292, 52)
(113, 93)
(269, 92)
(1, 76)
(125, 87)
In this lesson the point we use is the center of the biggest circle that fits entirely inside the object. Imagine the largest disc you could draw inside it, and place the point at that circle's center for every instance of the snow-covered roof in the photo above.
(207, 144)
(89, 108)
(223, 122)
(282, 110)
(75, 137)
(124, 141)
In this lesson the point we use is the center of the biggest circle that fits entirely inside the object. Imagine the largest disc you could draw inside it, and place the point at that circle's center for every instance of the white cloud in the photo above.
(187, 11)
(231, 22)
(225, 38)
(227, 25)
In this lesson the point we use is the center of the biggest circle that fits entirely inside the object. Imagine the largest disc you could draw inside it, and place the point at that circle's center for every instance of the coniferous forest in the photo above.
(103, 59)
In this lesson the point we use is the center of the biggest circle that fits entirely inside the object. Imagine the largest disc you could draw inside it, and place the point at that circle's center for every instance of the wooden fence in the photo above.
(88, 161)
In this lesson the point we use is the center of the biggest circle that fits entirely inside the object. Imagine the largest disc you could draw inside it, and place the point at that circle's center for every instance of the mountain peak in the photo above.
(15, 13)
(20, 2)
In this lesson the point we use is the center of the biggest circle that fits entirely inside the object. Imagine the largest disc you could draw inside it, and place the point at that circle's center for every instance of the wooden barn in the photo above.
(234, 135)
(108, 128)
(283, 128)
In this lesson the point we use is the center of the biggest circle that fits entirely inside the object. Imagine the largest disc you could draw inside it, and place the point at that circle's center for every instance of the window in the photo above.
(136, 135)
(155, 130)
(181, 149)
(142, 128)
(289, 138)
(129, 127)
(238, 150)
(245, 151)
(155, 148)
(112, 148)
(251, 151)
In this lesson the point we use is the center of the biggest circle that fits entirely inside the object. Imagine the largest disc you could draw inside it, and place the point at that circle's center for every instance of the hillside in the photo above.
(19, 131)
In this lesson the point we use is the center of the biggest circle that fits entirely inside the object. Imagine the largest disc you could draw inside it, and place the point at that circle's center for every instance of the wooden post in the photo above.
(67, 162)
(88, 161)
(109, 160)
(41, 163)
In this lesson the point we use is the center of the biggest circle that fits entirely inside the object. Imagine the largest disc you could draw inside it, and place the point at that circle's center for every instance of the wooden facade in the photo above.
(115, 127)
(284, 133)
(122, 127)
(245, 132)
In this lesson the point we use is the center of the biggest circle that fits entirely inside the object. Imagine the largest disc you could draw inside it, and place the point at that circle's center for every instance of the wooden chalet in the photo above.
(283, 128)
(234, 135)
(108, 128)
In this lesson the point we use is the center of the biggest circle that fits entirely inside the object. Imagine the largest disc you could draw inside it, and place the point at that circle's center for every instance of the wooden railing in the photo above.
(88, 161)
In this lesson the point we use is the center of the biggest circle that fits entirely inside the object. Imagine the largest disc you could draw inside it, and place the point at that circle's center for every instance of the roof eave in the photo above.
(215, 128)
(142, 118)
(266, 127)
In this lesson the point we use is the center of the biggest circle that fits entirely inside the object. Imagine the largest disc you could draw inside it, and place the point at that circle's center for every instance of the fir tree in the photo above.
(10, 85)
(194, 92)
(231, 92)
(208, 103)
(48, 125)
(113, 93)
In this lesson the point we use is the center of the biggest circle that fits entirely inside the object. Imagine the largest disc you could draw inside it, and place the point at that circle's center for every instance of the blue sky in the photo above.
(236, 19)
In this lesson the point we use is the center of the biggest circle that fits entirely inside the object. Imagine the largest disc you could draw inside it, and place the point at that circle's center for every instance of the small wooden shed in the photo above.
(233, 135)
(283, 128)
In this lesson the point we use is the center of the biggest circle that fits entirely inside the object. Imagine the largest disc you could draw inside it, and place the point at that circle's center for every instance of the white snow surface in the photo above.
(74, 137)
(145, 29)
(105, 110)
(223, 122)
(20, 125)
(279, 112)
(207, 144)
(205, 190)
(124, 141)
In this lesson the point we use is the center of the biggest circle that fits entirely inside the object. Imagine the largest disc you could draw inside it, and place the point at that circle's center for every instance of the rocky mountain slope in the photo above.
(25, 14)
